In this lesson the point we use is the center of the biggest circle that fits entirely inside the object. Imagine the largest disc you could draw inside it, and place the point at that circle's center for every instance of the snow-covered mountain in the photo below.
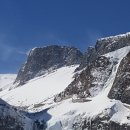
(90, 106)
(43, 60)
(59, 88)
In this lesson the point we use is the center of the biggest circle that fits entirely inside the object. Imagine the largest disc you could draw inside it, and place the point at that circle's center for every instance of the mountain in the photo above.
(90, 106)
(109, 44)
(60, 88)
(43, 60)
(105, 45)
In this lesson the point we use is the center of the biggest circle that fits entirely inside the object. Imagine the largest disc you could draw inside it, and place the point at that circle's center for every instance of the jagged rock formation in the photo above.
(121, 86)
(12, 119)
(103, 46)
(43, 60)
(94, 63)
(89, 56)
(91, 80)
(109, 44)
(99, 123)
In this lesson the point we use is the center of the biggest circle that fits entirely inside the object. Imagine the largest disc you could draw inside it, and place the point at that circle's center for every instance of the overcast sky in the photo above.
(25, 24)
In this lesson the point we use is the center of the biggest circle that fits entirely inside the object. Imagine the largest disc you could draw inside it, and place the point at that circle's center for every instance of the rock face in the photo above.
(89, 56)
(12, 119)
(91, 80)
(103, 46)
(43, 60)
(99, 123)
(109, 44)
(121, 87)
(96, 69)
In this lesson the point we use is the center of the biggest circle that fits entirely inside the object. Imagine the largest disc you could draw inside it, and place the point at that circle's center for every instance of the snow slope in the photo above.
(40, 88)
(6, 80)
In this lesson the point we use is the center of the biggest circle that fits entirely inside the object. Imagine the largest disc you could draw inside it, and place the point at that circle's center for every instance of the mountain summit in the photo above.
(46, 59)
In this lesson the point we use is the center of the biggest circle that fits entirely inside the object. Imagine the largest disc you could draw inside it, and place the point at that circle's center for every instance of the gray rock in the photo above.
(121, 86)
(43, 60)
(12, 119)
(88, 57)
(109, 44)
(103, 46)
(98, 123)
(90, 80)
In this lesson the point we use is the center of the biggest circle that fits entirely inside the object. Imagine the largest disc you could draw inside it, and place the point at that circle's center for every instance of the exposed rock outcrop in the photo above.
(89, 56)
(99, 124)
(90, 81)
(121, 87)
(109, 44)
(43, 60)
(12, 119)
(103, 46)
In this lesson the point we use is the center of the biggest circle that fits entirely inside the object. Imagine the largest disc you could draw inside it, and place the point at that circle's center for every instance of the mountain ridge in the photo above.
(43, 60)
(95, 91)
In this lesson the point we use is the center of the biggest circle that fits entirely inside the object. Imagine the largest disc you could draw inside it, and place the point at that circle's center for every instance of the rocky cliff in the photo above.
(95, 68)
(12, 119)
(121, 86)
(103, 46)
(46, 59)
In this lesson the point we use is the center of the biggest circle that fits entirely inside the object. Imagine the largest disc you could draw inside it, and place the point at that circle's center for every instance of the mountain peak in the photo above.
(116, 37)
(44, 59)
(112, 43)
